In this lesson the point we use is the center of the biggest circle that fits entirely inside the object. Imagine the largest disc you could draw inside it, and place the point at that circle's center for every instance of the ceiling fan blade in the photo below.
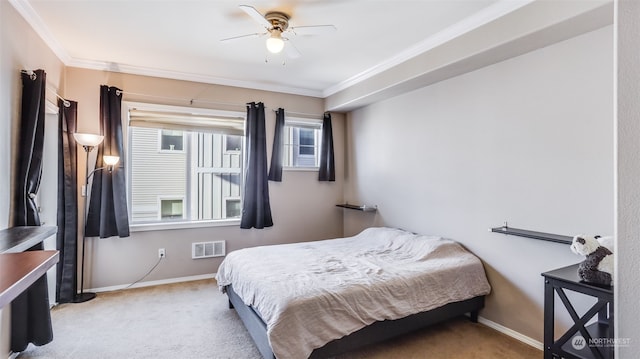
(256, 15)
(291, 51)
(313, 30)
(243, 36)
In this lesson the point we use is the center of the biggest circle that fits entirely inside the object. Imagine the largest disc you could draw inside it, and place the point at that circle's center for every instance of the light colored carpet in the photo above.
(191, 320)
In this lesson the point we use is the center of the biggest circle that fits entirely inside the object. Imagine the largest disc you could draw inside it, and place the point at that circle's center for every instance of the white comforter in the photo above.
(311, 293)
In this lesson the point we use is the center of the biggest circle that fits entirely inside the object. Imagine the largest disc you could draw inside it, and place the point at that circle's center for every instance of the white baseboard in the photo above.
(512, 333)
(152, 283)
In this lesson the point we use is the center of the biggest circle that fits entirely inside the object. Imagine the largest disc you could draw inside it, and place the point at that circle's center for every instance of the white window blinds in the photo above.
(304, 123)
(186, 122)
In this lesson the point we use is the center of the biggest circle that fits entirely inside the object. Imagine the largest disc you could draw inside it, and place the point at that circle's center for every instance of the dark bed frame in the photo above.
(376, 332)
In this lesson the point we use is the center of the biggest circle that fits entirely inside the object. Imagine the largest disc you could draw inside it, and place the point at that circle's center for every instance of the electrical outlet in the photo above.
(161, 253)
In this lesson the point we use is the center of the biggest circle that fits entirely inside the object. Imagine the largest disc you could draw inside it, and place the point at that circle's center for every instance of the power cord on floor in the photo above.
(145, 276)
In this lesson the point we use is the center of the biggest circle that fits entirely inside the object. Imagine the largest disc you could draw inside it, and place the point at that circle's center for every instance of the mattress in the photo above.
(311, 293)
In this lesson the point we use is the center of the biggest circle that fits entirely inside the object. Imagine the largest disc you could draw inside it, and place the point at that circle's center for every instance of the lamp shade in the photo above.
(275, 44)
(88, 139)
(110, 160)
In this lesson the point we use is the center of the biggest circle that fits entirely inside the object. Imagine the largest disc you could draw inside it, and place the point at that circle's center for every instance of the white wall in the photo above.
(528, 140)
(20, 48)
(628, 178)
(5, 122)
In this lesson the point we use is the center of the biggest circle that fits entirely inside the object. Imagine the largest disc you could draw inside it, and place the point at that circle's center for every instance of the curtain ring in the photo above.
(32, 75)
(118, 92)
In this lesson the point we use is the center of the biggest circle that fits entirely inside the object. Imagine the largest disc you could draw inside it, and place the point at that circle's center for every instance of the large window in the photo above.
(302, 143)
(183, 167)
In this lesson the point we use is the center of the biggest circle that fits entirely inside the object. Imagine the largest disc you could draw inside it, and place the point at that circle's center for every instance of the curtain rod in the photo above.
(303, 114)
(192, 101)
(64, 100)
(189, 100)
(30, 73)
(33, 76)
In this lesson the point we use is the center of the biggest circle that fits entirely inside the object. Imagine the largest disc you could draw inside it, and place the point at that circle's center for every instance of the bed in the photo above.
(318, 299)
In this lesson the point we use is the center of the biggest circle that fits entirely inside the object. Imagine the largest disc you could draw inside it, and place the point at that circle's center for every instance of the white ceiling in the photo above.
(180, 39)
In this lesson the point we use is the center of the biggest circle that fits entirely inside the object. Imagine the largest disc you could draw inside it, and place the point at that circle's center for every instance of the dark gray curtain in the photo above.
(327, 162)
(30, 317)
(67, 236)
(108, 214)
(275, 170)
(256, 211)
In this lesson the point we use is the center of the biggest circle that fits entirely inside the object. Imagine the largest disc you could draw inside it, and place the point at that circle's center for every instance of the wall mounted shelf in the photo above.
(557, 238)
(364, 208)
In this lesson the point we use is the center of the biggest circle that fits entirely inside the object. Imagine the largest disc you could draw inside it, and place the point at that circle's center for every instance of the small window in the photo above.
(233, 208)
(233, 143)
(171, 209)
(171, 140)
(301, 144)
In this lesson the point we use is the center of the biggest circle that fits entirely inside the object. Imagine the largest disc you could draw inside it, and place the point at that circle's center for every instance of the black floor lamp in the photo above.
(89, 142)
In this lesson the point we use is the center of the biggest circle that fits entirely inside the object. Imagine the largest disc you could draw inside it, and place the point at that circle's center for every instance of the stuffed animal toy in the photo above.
(598, 265)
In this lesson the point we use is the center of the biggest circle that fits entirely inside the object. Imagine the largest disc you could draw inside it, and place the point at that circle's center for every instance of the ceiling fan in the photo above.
(276, 24)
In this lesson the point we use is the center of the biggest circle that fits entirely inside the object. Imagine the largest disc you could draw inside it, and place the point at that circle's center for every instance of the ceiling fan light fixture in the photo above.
(275, 44)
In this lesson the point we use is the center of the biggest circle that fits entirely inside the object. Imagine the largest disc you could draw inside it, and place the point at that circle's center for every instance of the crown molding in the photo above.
(185, 76)
(469, 24)
(495, 11)
(25, 9)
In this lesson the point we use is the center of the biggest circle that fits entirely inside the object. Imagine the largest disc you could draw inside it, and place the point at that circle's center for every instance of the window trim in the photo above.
(300, 169)
(158, 226)
(161, 226)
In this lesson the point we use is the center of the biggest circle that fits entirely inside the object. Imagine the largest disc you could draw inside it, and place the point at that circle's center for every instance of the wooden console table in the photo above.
(19, 239)
(20, 270)
(582, 340)
(23, 283)
(19, 267)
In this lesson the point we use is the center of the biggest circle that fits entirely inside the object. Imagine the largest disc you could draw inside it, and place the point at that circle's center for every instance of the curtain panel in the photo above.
(256, 210)
(108, 216)
(67, 221)
(30, 317)
(30, 149)
(275, 170)
(327, 171)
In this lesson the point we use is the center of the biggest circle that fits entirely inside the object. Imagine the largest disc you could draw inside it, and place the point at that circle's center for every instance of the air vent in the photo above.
(207, 249)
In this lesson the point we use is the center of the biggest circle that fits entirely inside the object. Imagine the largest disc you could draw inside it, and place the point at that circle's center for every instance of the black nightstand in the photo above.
(597, 337)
